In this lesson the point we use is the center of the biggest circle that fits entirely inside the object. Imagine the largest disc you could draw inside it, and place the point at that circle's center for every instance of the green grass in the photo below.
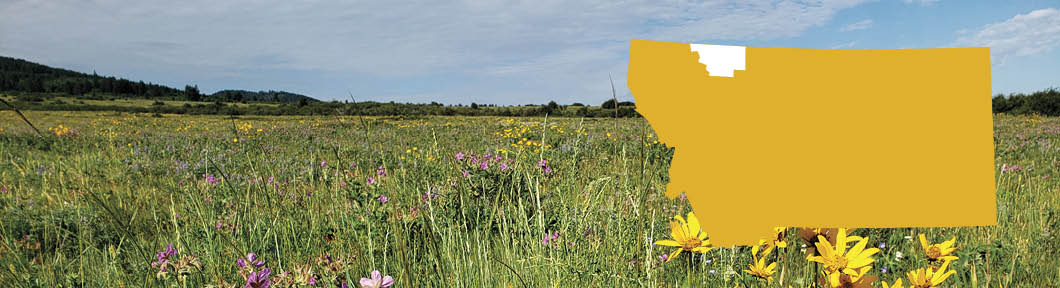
(102, 201)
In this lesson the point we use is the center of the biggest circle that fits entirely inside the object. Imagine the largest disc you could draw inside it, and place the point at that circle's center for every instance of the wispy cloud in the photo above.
(844, 45)
(860, 25)
(1025, 34)
(921, 2)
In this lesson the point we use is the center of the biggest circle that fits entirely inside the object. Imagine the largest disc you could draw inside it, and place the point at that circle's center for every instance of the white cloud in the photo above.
(844, 45)
(860, 25)
(1025, 34)
(559, 44)
(921, 2)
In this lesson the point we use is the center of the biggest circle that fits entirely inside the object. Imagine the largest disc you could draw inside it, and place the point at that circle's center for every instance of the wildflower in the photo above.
(251, 259)
(838, 259)
(382, 199)
(929, 278)
(504, 166)
(687, 236)
(371, 180)
(897, 255)
(377, 280)
(759, 268)
(1010, 168)
(664, 257)
(460, 156)
(485, 165)
(842, 280)
(809, 238)
(381, 171)
(259, 279)
(780, 240)
(466, 174)
(897, 284)
(3, 189)
(941, 251)
(271, 179)
(549, 238)
(163, 257)
(323, 163)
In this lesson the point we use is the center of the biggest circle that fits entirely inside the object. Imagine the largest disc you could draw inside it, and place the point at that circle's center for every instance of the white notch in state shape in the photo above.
(721, 60)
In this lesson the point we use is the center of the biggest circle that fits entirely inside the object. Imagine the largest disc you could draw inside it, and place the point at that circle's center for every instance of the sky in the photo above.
(493, 52)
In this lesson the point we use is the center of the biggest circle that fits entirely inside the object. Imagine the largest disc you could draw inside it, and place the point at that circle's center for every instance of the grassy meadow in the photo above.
(436, 202)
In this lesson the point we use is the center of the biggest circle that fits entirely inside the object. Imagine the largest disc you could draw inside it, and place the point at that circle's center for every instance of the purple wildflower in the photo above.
(504, 166)
(460, 156)
(377, 280)
(381, 171)
(382, 199)
(466, 175)
(4, 188)
(312, 281)
(1011, 168)
(342, 183)
(252, 259)
(323, 163)
(164, 257)
(664, 257)
(549, 238)
(371, 180)
(485, 165)
(271, 179)
(259, 279)
(883, 270)
(210, 179)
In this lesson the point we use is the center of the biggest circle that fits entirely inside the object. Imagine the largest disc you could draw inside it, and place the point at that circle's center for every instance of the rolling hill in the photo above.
(17, 75)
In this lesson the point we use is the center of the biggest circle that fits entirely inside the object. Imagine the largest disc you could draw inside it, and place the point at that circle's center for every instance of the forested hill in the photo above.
(17, 75)
(260, 96)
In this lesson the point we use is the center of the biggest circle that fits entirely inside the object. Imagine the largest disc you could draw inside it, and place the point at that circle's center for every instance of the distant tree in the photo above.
(609, 104)
(577, 104)
(474, 105)
(191, 93)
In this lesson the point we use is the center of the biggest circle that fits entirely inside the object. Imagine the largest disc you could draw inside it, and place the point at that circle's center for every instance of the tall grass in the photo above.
(102, 200)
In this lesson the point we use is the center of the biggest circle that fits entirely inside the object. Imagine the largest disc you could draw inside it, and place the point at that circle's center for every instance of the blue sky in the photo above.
(511, 52)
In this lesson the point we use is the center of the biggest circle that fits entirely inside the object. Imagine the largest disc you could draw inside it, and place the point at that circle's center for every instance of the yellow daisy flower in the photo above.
(897, 284)
(928, 277)
(939, 252)
(686, 235)
(839, 259)
(759, 268)
(780, 241)
(839, 279)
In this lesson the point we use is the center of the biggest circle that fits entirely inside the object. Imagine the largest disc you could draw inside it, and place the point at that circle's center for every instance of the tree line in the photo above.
(1045, 102)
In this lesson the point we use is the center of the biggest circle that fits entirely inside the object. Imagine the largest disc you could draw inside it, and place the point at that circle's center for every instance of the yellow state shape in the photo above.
(823, 137)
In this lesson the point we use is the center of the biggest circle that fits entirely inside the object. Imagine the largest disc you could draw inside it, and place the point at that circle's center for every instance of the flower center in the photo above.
(691, 243)
(837, 263)
(934, 252)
